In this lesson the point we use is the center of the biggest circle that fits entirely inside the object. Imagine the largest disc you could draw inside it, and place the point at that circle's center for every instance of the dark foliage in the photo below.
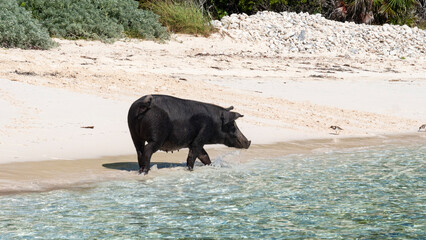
(360, 11)
(220, 8)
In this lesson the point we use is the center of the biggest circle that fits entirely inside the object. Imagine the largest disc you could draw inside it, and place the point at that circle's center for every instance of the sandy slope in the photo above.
(47, 96)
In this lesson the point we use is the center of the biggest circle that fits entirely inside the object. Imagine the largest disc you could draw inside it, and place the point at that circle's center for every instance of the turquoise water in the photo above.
(373, 193)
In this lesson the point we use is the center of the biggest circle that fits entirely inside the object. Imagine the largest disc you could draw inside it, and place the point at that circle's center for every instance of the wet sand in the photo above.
(25, 177)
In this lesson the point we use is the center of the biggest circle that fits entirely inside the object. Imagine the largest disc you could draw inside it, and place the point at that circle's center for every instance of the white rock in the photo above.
(314, 33)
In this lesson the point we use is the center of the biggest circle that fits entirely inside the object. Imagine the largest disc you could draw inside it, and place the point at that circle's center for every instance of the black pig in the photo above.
(168, 123)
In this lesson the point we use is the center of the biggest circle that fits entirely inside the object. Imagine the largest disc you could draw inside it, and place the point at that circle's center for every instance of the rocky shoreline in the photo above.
(289, 32)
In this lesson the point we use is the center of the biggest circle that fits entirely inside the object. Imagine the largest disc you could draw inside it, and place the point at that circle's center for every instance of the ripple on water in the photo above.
(364, 193)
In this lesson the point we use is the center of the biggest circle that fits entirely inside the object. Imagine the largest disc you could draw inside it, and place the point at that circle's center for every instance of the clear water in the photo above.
(374, 193)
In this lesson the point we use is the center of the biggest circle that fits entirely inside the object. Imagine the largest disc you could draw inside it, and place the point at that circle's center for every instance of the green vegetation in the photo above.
(397, 11)
(360, 11)
(384, 11)
(221, 8)
(422, 24)
(19, 29)
(28, 23)
(95, 19)
(31, 23)
(181, 16)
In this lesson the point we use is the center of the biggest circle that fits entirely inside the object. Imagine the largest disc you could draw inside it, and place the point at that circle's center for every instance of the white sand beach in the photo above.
(48, 97)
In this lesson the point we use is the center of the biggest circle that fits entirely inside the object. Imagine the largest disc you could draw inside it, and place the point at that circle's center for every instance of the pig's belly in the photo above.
(170, 147)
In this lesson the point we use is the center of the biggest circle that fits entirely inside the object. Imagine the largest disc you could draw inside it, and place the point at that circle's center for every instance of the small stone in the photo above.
(289, 35)
(301, 36)
(233, 26)
(293, 49)
(353, 50)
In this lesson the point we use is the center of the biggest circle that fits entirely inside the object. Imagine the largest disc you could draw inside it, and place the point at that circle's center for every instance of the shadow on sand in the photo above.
(134, 166)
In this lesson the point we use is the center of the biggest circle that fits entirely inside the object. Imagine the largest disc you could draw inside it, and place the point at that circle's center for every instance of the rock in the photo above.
(289, 35)
(216, 23)
(309, 46)
(301, 36)
(291, 32)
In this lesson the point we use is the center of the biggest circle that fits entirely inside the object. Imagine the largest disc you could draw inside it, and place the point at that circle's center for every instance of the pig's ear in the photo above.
(147, 101)
(143, 106)
(230, 108)
(228, 117)
(237, 115)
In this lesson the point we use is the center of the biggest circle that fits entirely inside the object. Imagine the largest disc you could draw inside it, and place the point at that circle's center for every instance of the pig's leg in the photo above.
(192, 155)
(148, 150)
(204, 157)
(195, 152)
(139, 145)
(158, 131)
(140, 151)
(196, 149)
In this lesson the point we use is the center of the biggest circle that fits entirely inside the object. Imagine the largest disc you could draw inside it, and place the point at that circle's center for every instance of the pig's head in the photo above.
(233, 136)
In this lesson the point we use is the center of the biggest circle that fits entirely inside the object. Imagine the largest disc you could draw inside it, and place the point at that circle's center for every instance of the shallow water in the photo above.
(366, 193)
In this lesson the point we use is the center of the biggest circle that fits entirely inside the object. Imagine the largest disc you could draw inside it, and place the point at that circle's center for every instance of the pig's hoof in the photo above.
(190, 169)
(143, 172)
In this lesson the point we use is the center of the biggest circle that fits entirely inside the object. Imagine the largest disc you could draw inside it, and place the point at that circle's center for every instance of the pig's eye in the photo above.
(229, 128)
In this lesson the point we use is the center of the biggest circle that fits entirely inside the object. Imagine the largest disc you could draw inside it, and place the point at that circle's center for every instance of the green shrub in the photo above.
(95, 19)
(221, 8)
(137, 23)
(18, 29)
(182, 16)
(397, 11)
(384, 11)
(360, 11)
(73, 19)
